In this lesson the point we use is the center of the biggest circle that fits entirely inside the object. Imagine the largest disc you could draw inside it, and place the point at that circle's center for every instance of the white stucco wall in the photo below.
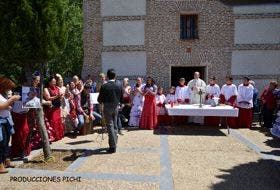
(117, 33)
(257, 31)
(257, 9)
(125, 63)
(255, 62)
(123, 7)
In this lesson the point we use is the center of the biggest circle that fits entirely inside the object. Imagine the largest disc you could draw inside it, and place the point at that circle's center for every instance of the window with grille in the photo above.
(189, 27)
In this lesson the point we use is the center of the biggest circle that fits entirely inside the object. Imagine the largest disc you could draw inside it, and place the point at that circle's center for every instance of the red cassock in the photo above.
(181, 120)
(148, 118)
(162, 118)
(211, 121)
(245, 117)
(245, 105)
(231, 121)
(182, 94)
(20, 147)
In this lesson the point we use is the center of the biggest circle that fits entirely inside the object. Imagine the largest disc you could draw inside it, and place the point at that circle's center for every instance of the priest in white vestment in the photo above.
(196, 85)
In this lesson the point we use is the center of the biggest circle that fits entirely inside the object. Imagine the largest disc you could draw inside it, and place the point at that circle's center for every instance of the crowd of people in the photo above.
(68, 107)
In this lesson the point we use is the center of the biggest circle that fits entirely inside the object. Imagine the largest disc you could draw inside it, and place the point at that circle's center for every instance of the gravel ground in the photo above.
(200, 158)
(123, 163)
(62, 159)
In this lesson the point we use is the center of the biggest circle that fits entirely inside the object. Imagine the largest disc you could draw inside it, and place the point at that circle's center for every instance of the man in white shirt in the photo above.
(245, 103)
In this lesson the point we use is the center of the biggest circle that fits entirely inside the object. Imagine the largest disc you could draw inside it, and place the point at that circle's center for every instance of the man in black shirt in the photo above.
(110, 96)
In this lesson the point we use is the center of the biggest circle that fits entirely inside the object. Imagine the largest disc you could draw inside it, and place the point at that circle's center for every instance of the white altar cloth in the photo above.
(206, 110)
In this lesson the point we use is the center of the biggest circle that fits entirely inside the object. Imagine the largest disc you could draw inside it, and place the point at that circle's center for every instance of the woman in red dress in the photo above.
(20, 147)
(53, 112)
(149, 115)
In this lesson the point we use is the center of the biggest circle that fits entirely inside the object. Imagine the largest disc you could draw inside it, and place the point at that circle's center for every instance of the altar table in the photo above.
(206, 110)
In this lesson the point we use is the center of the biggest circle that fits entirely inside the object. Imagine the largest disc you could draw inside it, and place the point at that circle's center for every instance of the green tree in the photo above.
(32, 33)
(36, 30)
(69, 62)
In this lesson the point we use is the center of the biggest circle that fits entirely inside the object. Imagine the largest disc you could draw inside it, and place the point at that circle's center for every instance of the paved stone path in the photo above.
(188, 157)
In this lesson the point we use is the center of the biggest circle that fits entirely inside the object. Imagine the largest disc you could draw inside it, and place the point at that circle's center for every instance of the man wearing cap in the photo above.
(245, 103)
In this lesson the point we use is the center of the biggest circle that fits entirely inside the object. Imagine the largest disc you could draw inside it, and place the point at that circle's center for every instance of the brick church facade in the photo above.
(169, 39)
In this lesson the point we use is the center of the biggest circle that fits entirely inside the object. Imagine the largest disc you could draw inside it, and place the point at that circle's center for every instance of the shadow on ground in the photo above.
(99, 151)
(79, 142)
(261, 175)
(274, 142)
(189, 130)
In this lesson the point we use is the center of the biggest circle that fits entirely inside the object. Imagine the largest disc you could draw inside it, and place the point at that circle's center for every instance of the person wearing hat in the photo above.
(212, 90)
(245, 103)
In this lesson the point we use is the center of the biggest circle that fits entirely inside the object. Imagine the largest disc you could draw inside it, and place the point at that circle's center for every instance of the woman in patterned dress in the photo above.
(137, 104)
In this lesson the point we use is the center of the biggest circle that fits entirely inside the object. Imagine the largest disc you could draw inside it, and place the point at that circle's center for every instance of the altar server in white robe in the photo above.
(212, 91)
(195, 86)
(171, 97)
(245, 103)
(161, 111)
(228, 92)
(160, 102)
(182, 92)
(228, 96)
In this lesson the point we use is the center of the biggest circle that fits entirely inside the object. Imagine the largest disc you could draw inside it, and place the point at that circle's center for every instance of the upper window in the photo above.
(189, 27)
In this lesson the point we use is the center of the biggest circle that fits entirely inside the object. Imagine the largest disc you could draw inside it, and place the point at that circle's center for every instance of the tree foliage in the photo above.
(69, 62)
(33, 32)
